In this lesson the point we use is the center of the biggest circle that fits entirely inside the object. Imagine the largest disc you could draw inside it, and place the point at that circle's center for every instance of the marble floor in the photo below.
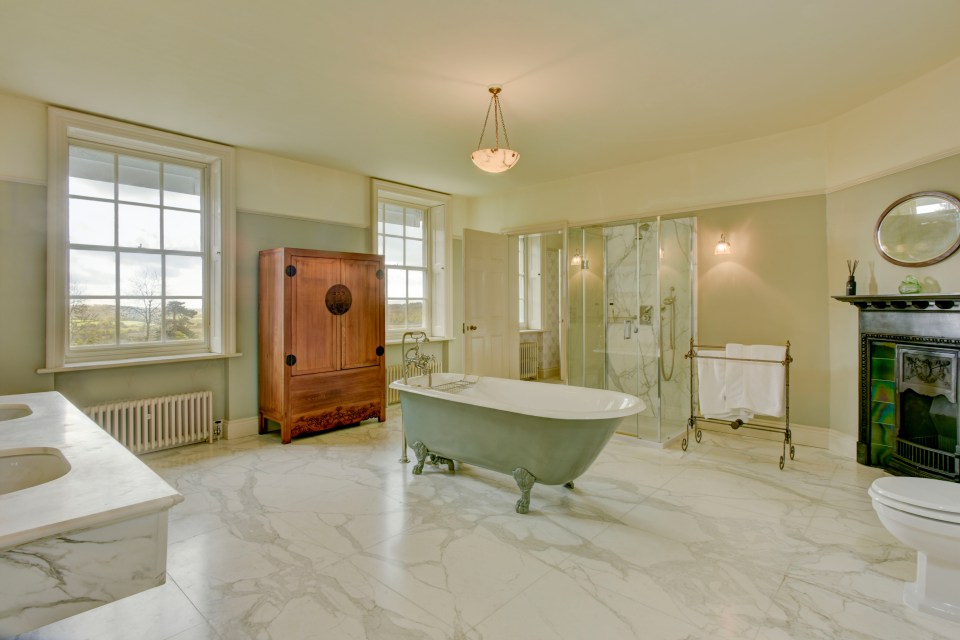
(331, 537)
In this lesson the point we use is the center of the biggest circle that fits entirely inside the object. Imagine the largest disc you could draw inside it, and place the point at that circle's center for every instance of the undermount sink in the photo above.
(25, 468)
(14, 411)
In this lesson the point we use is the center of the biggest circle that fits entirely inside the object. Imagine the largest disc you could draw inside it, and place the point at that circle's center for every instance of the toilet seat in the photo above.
(924, 497)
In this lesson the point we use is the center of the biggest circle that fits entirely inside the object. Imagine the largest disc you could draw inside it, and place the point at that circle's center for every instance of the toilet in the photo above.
(924, 514)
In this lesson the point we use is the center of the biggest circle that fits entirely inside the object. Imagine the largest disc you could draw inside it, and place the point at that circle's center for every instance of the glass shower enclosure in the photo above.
(631, 292)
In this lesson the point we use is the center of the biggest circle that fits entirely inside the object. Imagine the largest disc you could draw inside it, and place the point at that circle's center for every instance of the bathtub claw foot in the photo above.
(568, 485)
(525, 481)
(436, 460)
(420, 450)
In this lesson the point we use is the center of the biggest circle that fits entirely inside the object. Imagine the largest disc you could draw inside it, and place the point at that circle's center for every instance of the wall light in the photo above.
(579, 261)
(495, 160)
(723, 247)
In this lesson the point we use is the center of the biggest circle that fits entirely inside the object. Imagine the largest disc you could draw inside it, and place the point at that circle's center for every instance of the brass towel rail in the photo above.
(693, 423)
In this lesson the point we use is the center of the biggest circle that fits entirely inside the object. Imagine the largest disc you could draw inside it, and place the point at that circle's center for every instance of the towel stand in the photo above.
(695, 418)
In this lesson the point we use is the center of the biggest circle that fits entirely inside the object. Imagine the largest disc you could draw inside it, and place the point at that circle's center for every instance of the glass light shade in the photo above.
(494, 160)
(722, 248)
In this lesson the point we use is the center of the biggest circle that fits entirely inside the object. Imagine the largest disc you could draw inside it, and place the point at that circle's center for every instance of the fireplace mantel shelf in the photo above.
(897, 301)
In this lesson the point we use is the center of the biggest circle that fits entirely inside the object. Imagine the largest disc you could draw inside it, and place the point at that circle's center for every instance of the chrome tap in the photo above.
(413, 358)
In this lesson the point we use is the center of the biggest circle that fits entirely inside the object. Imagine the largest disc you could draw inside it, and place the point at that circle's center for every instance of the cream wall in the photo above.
(858, 163)
(770, 289)
(851, 217)
(862, 160)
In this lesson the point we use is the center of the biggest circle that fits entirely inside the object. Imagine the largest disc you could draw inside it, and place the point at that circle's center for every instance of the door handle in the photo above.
(471, 327)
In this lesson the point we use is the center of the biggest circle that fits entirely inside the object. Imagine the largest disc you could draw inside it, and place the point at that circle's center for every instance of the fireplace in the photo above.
(909, 348)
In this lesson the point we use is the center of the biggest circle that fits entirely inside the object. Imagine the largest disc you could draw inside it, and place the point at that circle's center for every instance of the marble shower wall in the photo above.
(677, 266)
(642, 266)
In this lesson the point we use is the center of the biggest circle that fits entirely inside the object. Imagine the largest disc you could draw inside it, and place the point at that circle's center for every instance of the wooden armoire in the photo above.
(322, 339)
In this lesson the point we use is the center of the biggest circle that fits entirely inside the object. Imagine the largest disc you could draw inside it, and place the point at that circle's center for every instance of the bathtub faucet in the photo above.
(413, 358)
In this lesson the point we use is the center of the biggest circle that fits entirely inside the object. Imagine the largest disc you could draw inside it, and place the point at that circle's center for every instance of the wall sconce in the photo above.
(723, 247)
(579, 261)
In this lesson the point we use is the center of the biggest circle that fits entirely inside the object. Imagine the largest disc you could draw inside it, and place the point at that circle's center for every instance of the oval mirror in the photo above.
(919, 229)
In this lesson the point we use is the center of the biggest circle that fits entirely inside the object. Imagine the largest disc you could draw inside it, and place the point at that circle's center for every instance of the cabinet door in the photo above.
(313, 329)
(362, 325)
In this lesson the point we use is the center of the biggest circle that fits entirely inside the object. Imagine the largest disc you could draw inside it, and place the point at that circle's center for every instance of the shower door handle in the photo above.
(627, 329)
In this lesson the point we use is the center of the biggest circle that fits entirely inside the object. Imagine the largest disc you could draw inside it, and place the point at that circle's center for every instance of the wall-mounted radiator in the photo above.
(395, 372)
(529, 352)
(152, 424)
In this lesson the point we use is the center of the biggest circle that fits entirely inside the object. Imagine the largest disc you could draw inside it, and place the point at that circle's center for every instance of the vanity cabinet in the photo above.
(322, 337)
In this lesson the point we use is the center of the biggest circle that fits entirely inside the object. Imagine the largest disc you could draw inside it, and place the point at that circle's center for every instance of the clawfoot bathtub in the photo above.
(536, 432)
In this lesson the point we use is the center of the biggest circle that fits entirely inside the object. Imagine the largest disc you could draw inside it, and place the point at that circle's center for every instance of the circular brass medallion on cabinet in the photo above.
(338, 299)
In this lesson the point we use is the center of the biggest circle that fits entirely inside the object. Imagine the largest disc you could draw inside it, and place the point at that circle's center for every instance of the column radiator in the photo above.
(529, 352)
(158, 423)
(395, 372)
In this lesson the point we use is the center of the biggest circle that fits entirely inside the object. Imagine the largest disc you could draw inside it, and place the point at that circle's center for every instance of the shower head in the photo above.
(640, 229)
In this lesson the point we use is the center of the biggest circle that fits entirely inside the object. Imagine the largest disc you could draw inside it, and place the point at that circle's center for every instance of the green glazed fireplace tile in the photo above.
(883, 391)
(882, 412)
(880, 454)
(883, 350)
(881, 434)
(881, 368)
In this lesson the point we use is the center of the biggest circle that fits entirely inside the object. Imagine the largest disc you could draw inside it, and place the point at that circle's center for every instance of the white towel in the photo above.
(735, 389)
(710, 374)
(763, 381)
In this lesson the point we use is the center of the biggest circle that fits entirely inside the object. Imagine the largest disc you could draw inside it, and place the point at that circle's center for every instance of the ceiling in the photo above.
(398, 89)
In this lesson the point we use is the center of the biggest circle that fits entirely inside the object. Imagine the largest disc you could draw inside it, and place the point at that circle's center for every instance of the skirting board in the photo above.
(803, 435)
(241, 428)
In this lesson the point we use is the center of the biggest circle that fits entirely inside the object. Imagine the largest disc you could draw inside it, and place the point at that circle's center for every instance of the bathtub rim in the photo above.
(630, 405)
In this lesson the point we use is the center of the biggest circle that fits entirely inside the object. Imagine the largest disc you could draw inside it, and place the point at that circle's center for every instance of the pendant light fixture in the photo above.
(496, 159)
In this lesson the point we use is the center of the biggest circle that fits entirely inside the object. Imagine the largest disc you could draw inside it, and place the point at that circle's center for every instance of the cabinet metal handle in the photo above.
(291, 360)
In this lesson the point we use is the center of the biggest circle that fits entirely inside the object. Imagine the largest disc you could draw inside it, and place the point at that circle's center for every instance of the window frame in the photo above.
(219, 299)
(438, 244)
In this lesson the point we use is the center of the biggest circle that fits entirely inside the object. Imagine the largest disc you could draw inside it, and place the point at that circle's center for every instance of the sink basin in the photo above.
(25, 468)
(14, 411)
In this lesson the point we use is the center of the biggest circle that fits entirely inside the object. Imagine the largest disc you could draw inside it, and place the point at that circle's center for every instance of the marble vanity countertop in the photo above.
(105, 483)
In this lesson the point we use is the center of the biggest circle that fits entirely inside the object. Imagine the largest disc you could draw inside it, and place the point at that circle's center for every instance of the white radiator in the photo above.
(395, 372)
(152, 424)
(529, 353)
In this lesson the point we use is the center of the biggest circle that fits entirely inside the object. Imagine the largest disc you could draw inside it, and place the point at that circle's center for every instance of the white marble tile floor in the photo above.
(331, 537)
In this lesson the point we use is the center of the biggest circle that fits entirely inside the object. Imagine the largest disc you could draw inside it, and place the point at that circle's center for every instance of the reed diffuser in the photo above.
(851, 283)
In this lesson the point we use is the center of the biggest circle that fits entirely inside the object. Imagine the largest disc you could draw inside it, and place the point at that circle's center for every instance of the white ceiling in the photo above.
(397, 89)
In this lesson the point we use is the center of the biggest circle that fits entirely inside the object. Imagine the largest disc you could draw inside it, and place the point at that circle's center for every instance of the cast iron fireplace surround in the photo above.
(909, 348)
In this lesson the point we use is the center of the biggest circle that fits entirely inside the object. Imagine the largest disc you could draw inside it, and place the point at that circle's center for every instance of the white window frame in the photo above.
(66, 127)
(522, 280)
(438, 292)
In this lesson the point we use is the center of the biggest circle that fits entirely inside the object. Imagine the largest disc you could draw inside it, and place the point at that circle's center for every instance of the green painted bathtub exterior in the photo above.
(553, 450)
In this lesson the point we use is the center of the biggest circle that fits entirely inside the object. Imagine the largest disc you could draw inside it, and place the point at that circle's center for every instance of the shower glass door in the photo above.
(631, 321)
(631, 312)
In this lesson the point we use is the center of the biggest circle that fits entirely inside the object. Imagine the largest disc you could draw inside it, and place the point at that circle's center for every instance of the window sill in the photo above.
(137, 362)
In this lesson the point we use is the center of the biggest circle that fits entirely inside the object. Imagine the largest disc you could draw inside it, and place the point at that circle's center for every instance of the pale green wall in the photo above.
(23, 273)
(255, 233)
(22, 322)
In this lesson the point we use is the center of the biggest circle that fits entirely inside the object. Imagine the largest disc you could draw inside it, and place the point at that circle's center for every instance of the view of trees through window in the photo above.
(401, 239)
(136, 265)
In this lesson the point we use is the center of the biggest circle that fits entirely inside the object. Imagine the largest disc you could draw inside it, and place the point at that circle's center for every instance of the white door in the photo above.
(491, 328)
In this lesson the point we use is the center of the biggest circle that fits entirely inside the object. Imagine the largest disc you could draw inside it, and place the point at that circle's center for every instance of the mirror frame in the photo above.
(922, 263)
